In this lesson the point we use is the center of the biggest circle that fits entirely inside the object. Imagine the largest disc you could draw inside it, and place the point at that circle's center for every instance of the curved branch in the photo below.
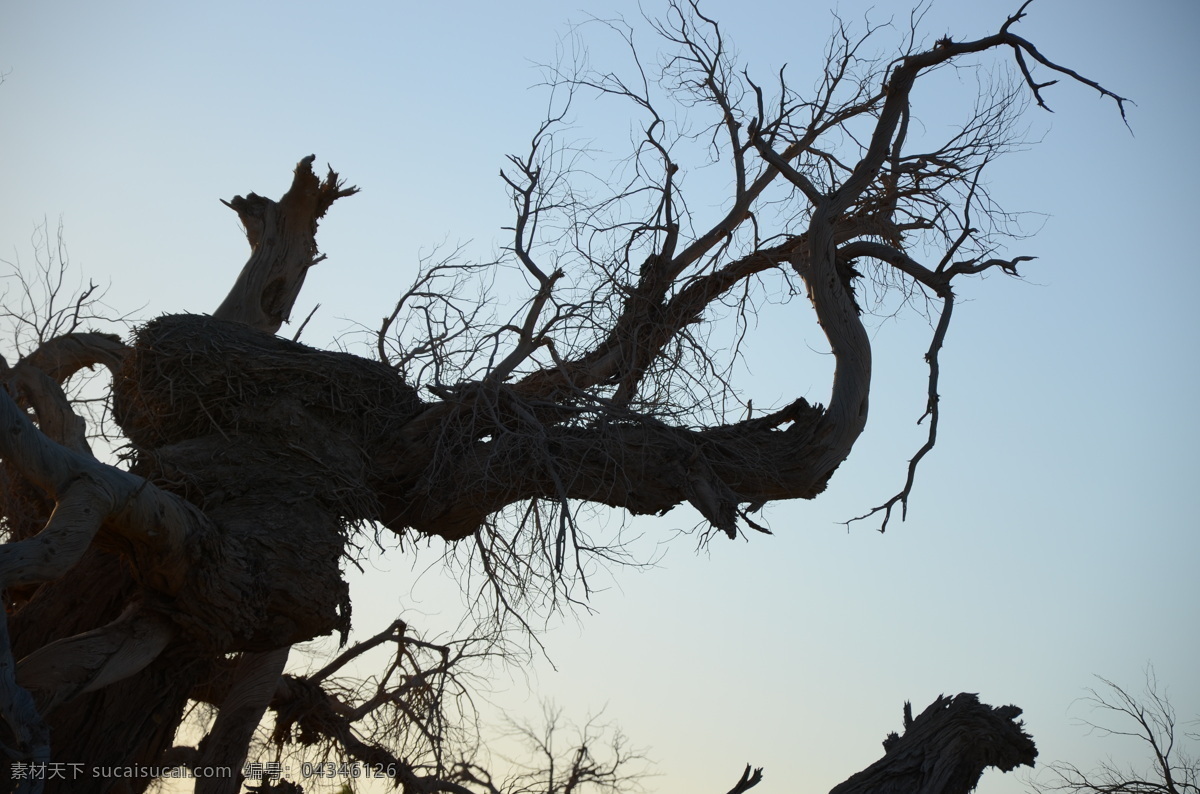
(133, 508)
(49, 554)
(49, 402)
(63, 356)
(37, 381)
(851, 347)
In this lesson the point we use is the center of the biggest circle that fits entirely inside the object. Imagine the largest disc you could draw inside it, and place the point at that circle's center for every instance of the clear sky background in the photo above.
(1053, 532)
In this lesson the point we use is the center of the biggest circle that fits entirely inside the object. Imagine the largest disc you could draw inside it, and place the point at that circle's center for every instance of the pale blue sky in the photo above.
(1052, 533)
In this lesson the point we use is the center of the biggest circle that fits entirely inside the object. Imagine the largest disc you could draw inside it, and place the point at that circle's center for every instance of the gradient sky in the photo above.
(1051, 535)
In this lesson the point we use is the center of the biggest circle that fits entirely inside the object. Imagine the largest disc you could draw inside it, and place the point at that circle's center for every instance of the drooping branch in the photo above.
(939, 282)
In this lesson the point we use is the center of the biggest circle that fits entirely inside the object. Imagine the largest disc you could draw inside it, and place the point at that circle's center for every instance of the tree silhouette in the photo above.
(1149, 718)
(183, 571)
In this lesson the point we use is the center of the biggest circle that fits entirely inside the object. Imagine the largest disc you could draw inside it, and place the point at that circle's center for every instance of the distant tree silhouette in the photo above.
(1148, 717)
(183, 570)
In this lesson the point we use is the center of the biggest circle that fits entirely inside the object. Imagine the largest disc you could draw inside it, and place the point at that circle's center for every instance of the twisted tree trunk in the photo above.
(223, 540)
(255, 457)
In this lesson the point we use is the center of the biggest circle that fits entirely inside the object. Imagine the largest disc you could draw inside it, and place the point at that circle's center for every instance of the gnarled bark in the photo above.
(210, 573)
(946, 749)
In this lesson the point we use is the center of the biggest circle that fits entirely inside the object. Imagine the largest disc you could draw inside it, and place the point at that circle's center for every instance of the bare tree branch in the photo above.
(1147, 717)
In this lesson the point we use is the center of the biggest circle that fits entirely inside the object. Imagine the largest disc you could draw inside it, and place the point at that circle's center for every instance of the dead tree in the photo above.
(946, 749)
(1150, 718)
(185, 571)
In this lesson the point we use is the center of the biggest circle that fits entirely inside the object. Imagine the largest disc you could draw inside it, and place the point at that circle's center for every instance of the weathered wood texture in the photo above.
(946, 749)
(283, 246)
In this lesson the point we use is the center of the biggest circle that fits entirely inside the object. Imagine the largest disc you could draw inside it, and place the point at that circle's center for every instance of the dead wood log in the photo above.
(946, 749)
